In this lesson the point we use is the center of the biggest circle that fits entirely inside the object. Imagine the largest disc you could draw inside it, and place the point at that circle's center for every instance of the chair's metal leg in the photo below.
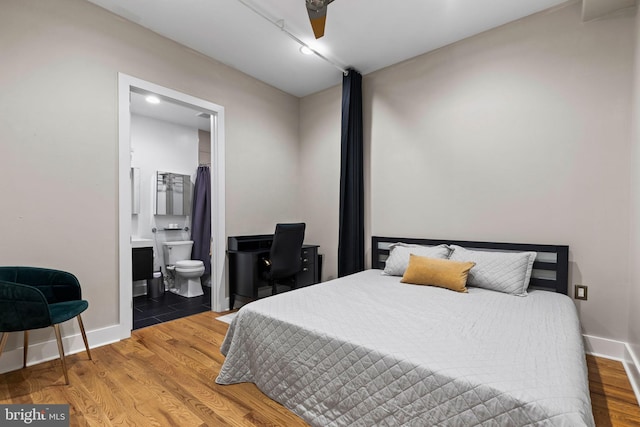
(3, 341)
(84, 336)
(274, 287)
(61, 350)
(26, 349)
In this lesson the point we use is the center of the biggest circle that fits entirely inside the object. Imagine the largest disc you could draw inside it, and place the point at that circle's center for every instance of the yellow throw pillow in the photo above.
(437, 272)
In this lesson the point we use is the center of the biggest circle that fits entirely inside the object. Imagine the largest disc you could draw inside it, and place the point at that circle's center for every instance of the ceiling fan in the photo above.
(317, 10)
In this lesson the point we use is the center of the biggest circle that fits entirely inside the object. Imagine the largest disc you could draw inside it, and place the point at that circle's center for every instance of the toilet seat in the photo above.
(189, 264)
(190, 268)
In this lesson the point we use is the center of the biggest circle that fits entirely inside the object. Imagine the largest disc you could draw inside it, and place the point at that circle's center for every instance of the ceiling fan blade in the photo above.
(317, 10)
(318, 18)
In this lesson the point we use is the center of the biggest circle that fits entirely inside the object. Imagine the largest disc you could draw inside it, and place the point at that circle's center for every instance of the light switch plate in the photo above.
(580, 292)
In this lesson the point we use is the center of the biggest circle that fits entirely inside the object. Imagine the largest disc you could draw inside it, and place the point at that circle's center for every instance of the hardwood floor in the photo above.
(612, 398)
(165, 376)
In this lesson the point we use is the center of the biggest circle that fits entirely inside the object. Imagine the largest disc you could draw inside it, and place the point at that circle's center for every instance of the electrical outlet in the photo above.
(580, 292)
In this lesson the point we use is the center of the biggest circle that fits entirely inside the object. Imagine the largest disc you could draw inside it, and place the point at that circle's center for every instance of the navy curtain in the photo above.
(201, 218)
(351, 234)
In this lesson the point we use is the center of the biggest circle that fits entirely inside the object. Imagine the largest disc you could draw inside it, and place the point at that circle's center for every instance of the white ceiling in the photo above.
(364, 34)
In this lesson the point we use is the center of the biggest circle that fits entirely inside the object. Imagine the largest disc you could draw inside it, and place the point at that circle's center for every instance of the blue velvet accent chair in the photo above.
(34, 298)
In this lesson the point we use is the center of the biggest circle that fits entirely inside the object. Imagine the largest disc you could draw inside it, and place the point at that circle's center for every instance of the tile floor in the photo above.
(151, 311)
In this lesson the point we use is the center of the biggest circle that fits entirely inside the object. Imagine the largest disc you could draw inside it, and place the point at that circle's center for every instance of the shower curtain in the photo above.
(201, 218)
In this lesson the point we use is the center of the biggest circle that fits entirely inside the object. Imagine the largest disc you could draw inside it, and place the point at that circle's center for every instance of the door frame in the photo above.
(218, 230)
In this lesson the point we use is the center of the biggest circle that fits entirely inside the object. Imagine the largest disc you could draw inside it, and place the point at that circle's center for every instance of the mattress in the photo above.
(369, 350)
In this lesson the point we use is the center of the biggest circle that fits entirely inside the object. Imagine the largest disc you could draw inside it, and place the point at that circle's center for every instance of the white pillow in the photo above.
(398, 260)
(507, 272)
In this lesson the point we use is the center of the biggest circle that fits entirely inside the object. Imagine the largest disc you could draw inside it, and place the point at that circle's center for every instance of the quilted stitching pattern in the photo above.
(507, 272)
(398, 260)
(413, 356)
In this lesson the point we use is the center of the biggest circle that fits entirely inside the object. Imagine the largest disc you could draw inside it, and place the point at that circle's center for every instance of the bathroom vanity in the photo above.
(142, 259)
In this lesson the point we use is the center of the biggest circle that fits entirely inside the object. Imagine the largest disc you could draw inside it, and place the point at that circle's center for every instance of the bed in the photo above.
(368, 349)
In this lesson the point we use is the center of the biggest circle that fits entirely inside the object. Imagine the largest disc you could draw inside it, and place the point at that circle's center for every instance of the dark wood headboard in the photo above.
(550, 269)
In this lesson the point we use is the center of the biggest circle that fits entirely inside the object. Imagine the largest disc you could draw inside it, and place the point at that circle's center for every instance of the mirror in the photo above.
(173, 194)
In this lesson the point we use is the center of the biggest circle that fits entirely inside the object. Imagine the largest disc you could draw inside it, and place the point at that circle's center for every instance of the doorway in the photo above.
(130, 85)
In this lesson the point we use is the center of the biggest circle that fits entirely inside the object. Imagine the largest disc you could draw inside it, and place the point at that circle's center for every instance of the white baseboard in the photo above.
(604, 347)
(616, 350)
(632, 366)
(48, 350)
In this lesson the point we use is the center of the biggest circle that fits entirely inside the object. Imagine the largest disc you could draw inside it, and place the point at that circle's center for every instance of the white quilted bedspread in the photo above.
(368, 350)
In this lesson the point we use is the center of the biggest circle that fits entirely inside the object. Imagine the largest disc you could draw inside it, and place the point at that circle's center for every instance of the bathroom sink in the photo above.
(137, 242)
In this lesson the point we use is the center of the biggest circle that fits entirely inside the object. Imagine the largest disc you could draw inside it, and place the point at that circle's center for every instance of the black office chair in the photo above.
(284, 260)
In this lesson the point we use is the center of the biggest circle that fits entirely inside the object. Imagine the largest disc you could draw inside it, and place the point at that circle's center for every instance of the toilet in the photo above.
(186, 272)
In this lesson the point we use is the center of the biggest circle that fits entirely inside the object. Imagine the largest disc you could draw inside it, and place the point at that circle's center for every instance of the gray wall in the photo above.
(59, 140)
(320, 116)
(520, 134)
(634, 300)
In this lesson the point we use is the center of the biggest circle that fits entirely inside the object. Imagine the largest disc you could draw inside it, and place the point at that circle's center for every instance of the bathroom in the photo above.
(168, 144)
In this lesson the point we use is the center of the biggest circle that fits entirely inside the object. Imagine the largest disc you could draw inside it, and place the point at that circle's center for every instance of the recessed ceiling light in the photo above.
(305, 50)
(152, 99)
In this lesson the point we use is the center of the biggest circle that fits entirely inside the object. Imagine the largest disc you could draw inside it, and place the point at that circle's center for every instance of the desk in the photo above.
(245, 278)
